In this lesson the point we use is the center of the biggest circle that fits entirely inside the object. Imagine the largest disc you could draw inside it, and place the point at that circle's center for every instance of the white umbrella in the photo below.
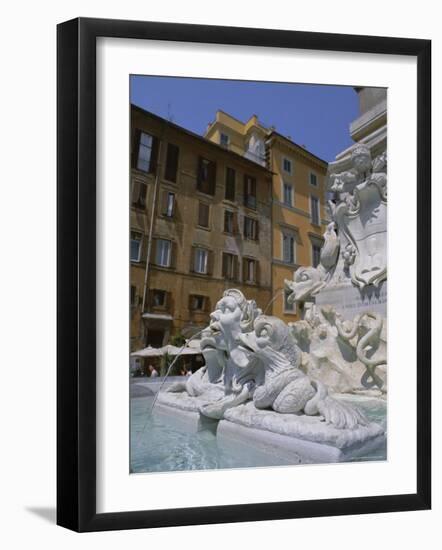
(148, 352)
(174, 350)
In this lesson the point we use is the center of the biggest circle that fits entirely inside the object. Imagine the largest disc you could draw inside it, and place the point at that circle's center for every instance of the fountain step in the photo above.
(287, 449)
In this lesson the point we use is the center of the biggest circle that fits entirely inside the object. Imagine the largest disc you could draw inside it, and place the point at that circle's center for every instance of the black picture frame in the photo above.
(76, 274)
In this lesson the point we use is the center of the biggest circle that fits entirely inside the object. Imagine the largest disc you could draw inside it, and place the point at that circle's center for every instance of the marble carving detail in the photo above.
(355, 242)
(255, 357)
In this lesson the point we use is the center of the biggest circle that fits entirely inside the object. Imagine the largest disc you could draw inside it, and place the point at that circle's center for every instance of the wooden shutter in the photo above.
(203, 214)
(256, 230)
(224, 264)
(257, 272)
(173, 254)
(244, 270)
(207, 304)
(209, 262)
(154, 161)
(230, 184)
(235, 223)
(135, 146)
(199, 178)
(171, 162)
(150, 299)
(212, 178)
(235, 268)
(136, 190)
(192, 259)
(153, 252)
(163, 204)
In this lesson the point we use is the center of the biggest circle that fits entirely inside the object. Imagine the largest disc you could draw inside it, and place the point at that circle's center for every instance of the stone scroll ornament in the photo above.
(254, 357)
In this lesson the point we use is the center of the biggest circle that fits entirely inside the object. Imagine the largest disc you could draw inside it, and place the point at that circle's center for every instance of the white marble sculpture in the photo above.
(278, 384)
(355, 242)
(254, 357)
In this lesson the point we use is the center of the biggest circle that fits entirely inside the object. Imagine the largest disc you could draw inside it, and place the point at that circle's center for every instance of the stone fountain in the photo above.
(279, 387)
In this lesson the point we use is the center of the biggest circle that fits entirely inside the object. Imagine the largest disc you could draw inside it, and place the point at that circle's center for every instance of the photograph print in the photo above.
(258, 274)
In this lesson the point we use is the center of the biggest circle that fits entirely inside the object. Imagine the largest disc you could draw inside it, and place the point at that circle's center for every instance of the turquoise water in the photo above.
(158, 446)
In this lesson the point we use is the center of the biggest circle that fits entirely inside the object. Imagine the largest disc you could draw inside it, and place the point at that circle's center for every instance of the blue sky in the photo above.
(313, 115)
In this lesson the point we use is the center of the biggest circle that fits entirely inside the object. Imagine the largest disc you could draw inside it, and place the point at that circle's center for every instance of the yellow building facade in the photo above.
(298, 197)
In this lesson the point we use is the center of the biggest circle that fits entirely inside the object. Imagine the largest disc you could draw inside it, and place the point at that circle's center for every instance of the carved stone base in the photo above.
(290, 438)
(288, 449)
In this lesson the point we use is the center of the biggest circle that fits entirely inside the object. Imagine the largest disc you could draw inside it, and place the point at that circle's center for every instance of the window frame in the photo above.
(292, 194)
(234, 267)
(140, 145)
(319, 248)
(247, 262)
(287, 234)
(318, 202)
(166, 163)
(315, 185)
(227, 183)
(205, 205)
(221, 135)
(290, 163)
(198, 249)
(157, 252)
(140, 244)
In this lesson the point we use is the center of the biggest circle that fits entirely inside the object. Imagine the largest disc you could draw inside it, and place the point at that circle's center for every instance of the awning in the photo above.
(195, 349)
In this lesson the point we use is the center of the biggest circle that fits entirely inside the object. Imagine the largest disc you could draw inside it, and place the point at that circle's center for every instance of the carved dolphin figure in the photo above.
(285, 388)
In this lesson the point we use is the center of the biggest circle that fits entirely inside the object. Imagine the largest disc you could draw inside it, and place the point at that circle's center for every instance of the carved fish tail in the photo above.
(339, 414)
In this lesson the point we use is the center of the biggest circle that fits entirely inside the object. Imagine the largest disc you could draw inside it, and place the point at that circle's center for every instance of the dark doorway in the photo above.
(155, 338)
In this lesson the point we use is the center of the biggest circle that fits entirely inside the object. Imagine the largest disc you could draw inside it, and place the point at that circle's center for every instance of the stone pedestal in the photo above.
(349, 300)
(291, 439)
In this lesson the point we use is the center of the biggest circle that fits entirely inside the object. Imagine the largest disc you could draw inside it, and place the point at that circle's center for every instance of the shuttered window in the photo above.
(203, 214)
(197, 302)
(168, 204)
(250, 192)
(288, 248)
(314, 209)
(316, 255)
(230, 266)
(139, 192)
(172, 157)
(228, 221)
(145, 152)
(201, 257)
(163, 253)
(250, 229)
(288, 194)
(313, 179)
(230, 184)
(206, 180)
(135, 246)
(250, 270)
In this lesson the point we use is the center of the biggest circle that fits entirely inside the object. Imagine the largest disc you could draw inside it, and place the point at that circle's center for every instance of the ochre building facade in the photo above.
(298, 197)
(200, 223)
